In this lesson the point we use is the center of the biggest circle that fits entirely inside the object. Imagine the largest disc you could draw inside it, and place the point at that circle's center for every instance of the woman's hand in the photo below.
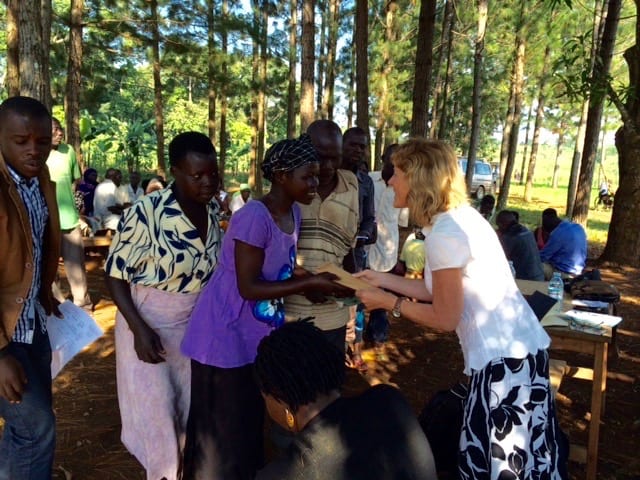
(148, 345)
(376, 298)
(371, 277)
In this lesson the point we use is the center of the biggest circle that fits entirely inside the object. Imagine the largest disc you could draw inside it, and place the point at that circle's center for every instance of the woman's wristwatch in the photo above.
(396, 307)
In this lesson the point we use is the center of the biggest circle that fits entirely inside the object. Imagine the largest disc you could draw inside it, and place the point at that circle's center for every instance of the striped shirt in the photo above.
(34, 202)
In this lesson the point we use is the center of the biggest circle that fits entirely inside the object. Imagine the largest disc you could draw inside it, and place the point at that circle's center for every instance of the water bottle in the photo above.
(512, 268)
(359, 320)
(556, 287)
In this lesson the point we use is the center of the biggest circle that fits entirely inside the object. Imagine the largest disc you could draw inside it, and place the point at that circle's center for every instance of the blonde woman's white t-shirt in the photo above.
(497, 321)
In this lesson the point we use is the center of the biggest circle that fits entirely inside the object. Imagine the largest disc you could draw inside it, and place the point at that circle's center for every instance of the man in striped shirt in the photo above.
(30, 246)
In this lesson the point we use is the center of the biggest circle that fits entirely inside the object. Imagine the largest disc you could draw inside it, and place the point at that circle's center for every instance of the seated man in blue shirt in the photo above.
(566, 249)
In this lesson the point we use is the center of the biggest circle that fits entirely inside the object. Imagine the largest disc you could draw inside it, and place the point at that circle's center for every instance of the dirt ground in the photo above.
(420, 363)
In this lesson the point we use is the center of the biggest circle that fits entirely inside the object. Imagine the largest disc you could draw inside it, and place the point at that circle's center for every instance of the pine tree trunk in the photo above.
(211, 70)
(33, 61)
(45, 48)
(157, 89)
(538, 124)
(262, 98)
(74, 79)
(517, 91)
(596, 39)
(424, 62)
(307, 65)
(443, 56)
(322, 60)
(362, 65)
(13, 48)
(293, 61)
(527, 129)
(383, 94)
(476, 100)
(255, 75)
(596, 104)
(224, 101)
(329, 86)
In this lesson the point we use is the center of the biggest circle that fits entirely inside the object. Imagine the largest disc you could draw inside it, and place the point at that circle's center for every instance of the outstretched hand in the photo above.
(375, 299)
(372, 277)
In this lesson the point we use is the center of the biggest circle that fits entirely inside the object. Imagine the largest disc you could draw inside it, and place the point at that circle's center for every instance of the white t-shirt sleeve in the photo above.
(448, 247)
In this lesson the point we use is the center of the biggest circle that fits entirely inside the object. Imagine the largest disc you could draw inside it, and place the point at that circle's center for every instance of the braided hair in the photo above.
(296, 363)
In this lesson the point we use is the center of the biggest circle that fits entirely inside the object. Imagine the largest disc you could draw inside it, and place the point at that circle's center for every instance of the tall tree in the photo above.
(441, 68)
(332, 46)
(293, 62)
(158, 104)
(476, 101)
(623, 241)
(45, 47)
(386, 70)
(307, 65)
(224, 100)
(601, 69)
(13, 48)
(362, 65)
(74, 78)
(508, 154)
(424, 61)
(596, 39)
(28, 61)
(544, 75)
(212, 69)
(322, 56)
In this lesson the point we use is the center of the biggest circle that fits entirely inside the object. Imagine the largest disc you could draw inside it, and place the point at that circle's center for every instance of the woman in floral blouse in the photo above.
(162, 255)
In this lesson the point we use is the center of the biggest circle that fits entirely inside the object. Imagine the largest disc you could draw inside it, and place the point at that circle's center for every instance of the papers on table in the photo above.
(592, 319)
(589, 322)
(70, 334)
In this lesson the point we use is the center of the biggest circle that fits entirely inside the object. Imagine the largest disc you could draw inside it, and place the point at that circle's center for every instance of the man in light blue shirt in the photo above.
(566, 249)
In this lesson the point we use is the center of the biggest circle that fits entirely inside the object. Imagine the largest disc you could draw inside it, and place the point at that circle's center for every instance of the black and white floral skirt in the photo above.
(510, 430)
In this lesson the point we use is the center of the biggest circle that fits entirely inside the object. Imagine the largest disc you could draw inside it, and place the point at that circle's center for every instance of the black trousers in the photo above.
(225, 425)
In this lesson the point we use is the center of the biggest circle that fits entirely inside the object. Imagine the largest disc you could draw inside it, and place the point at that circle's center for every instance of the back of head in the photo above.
(387, 165)
(26, 106)
(296, 363)
(487, 203)
(505, 219)
(435, 181)
(550, 219)
(186, 142)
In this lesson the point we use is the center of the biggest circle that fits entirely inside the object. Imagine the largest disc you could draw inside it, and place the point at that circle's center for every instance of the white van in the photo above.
(482, 181)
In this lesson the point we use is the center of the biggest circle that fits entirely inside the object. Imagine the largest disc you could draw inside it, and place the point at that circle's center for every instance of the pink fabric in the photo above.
(154, 398)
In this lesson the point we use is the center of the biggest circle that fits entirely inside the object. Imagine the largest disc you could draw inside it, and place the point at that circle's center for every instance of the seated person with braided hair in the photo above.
(374, 435)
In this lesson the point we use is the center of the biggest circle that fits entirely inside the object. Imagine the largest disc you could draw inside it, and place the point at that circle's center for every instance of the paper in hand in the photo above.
(344, 278)
(70, 334)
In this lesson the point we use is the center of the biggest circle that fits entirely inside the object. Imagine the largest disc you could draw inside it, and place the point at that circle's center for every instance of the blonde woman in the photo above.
(509, 428)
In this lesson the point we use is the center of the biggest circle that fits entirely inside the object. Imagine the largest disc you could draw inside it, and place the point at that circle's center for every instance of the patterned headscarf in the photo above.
(287, 155)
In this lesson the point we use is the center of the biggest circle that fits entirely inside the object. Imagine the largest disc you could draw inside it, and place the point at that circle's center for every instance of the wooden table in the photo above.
(564, 338)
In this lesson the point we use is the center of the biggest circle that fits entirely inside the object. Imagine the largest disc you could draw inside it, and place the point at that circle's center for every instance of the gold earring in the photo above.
(291, 420)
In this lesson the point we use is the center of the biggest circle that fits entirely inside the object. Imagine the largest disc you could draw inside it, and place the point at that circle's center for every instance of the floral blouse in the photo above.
(156, 245)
